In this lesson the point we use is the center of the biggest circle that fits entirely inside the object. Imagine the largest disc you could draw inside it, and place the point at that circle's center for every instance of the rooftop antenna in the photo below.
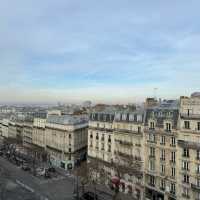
(155, 93)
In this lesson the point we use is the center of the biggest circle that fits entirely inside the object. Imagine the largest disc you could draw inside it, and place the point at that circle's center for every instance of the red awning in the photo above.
(115, 180)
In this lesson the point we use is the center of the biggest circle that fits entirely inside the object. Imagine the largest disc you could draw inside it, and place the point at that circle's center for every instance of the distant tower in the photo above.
(155, 93)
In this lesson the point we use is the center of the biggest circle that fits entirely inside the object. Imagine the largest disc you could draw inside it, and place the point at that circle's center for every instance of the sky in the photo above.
(114, 51)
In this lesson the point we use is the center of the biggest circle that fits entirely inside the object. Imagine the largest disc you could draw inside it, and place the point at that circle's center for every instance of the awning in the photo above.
(115, 180)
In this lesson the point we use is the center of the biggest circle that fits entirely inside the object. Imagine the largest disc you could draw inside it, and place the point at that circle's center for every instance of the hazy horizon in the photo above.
(103, 51)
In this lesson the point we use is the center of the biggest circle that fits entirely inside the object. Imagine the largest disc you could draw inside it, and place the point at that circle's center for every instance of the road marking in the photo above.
(25, 186)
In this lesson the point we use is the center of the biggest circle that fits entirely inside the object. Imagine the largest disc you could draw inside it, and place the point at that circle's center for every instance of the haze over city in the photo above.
(105, 51)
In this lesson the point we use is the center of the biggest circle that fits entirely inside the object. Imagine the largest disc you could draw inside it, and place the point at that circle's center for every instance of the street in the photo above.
(59, 189)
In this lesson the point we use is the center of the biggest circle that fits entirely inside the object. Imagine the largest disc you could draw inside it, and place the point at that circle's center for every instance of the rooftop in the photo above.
(67, 119)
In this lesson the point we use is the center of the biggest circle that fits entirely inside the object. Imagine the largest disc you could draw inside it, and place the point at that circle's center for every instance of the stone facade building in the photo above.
(66, 139)
(189, 148)
(161, 152)
(115, 139)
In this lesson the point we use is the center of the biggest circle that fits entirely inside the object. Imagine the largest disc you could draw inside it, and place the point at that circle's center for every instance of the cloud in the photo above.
(78, 45)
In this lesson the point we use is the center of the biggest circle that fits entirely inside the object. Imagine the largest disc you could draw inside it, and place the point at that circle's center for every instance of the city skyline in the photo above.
(115, 52)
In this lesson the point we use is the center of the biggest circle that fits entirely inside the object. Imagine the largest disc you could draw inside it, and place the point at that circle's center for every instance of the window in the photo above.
(70, 136)
(152, 137)
(198, 126)
(187, 124)
(151, 165)
(152, 151)
(168, 126)
(102, 146)
(173, 170)
(198, 154)
(152, 180)
(162, 184)
(162, 154)
(69, 150)
(185, 165)
(139, 129)
(97, 136)
(109, 148)
(91, 136)
(162, 169)
(198, 168)
(152, 125)
(198, 182)
(198, 196)
(173, 188)
(109, 138)
(186, 178)
(185, 192)
(102, 138)
(186, 152)
(162, 140)
(173, 156)
(173, 141)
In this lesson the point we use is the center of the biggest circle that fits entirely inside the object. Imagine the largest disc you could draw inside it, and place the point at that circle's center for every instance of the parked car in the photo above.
(89, 196)
(25, 167)
(40, 171)
(47, 174)
(52, 169)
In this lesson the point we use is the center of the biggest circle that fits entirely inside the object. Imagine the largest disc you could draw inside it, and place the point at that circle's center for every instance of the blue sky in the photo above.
(108, 50)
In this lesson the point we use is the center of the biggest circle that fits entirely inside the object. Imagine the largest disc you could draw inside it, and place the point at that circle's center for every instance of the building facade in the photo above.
(38, 135)
(115, 139)
(66, 139)
(161, 153)
(189, 148)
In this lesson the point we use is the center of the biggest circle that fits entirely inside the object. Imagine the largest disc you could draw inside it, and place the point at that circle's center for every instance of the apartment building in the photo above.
(4, 128)
(160, 152)
(12, 130)
(28, 134)
(66, 139)
(128, 137)
(115, 139)
(101, 137)
(38, 135)
(189, 148)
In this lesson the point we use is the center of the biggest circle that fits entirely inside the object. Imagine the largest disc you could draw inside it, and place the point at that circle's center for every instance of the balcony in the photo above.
(101, 129)
(125, 155)
(162, 189)
(152, 156)
(190, 116)
(152, 184)
(125, 143)
(128, 131)
(189, 145)
(186, 196)
(172, 162)
(152, 141)
(162, 159)
(195, 187)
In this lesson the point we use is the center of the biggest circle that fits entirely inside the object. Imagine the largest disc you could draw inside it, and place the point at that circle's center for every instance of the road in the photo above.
(59, 189)
(34, 188)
